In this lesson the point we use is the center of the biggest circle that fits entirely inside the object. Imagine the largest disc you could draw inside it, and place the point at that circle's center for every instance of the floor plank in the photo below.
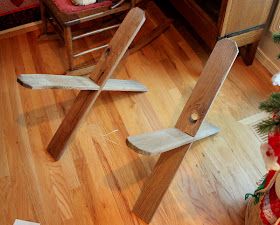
(98, 180)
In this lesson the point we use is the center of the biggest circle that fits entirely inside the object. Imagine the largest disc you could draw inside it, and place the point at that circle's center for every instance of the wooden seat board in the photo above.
(168, 139)
(47, 81)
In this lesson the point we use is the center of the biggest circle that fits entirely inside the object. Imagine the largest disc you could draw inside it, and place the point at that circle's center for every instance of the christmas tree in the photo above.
(272, 106)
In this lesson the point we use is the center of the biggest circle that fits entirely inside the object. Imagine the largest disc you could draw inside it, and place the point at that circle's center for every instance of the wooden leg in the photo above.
(103, 70)
(69, 46)
(190, 121)
(44, 18)
(250, 53)
(158, 182)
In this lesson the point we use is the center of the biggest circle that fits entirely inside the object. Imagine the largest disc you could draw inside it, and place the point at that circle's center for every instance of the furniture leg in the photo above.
(102, 71)
(250, 53)
(158, 182)
(190, 121)
(44, 18)
(69, 46)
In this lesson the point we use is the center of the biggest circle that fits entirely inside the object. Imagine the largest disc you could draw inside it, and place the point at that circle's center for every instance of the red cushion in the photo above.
(67, 6)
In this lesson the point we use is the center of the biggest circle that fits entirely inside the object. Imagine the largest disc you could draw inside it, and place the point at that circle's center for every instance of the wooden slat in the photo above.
(206, 89)
(168, 139)
(124, 85)
(47, 81)
(103, 70)
(194, 112)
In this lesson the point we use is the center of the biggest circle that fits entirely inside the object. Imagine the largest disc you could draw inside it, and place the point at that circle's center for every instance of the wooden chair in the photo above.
(63, 15)
(171, 143)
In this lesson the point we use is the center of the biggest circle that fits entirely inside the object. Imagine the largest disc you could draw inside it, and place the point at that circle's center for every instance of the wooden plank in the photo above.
(192, 116)
(103, 70)
(167, 139)
(47, 81)
(206, 89)
(124, 85)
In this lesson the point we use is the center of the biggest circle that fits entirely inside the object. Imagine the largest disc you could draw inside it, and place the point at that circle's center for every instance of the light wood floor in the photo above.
(99, 178)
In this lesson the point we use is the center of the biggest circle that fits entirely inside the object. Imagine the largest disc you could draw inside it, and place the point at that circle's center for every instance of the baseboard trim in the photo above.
(20, 29)
(267, 62)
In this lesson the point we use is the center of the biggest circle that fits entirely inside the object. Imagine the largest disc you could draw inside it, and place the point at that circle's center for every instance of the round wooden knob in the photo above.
(194, 117)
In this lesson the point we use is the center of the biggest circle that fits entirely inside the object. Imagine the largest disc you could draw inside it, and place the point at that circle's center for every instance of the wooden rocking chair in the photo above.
(172, 143)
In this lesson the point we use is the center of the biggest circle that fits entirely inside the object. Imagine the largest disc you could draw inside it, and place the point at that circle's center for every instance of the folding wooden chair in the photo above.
(171, 143)
(90, 86)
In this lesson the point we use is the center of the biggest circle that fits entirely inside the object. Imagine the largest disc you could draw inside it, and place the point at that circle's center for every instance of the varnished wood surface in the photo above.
(192, 116)
(103, 70)
(167, 139)
(207, 88)
(50, 81)
(240, 16)
(98, 179)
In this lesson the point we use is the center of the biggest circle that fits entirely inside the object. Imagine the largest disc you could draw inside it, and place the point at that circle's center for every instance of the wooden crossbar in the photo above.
(167, 139)
(47, 81)
(190, 120)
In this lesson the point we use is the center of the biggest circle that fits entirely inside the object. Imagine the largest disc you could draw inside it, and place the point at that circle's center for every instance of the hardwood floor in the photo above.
(98, 179)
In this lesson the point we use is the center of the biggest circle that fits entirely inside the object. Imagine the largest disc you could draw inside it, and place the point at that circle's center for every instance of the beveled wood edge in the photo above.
(144, 152)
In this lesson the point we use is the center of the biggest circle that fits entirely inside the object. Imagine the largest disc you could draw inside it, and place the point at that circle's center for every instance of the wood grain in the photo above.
(167, 139)
(247, 38)
(48, 81)
(98, 179)
(102, 71)
(210, 81)
(203, 94)
(246, 18)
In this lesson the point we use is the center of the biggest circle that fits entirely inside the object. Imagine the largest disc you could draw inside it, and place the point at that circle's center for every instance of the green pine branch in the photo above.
(268, 125)
(272, 105)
